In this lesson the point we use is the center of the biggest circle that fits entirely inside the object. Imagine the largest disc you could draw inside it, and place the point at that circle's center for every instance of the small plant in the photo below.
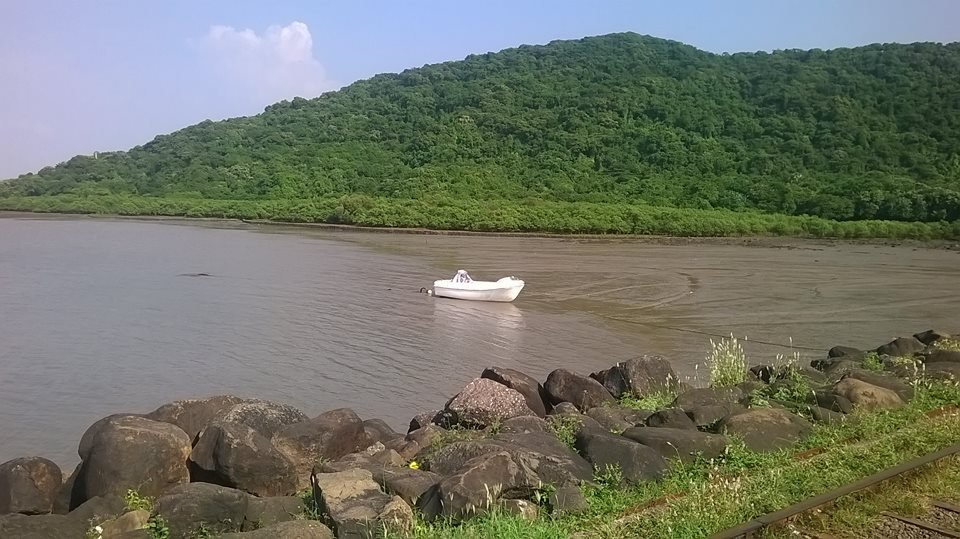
(542, 494)
(610, 476)
(758, 399)
(727, 363)
(564, 427)
(872, 362)
(651, 401)
(947, 343)
(135, 502)
(157, 526)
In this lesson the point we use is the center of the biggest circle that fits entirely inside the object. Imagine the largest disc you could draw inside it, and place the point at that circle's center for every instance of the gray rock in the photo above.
(524, 509)
(216, 508)
(192, 415)
(708, 396)
(265, 417)
(682, 444)
(901, 346)
(357, 507)
(946, 370)
(294, 529)
(584, 393)
(378, 431)
(125, 523)
(533, 393)
(767, 429)
(568, 499)
(29, 485)
(71, 526)
(375, 457)
(867, 396)
(930, 336)
(707, 417)
(407, 483)
(481, 484)
(848, 352)
(64, 502)
(265, 512)
(639, 376)
(824, 415)
(636, 462)
(618, 418)
(552, 461)
(329, 436)
(879, 379)
(833, 402)
(673, 418)
(941, 356)
(565, 408)
(236, 456)
(524, 424)
(485, 402)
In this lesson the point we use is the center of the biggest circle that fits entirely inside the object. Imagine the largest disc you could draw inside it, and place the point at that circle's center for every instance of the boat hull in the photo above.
(479, 291)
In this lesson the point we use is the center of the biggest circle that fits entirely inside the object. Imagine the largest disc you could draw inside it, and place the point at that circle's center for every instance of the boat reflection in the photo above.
(477, 316)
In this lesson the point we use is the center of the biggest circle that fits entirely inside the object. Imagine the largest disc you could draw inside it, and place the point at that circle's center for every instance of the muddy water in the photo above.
(99, 316)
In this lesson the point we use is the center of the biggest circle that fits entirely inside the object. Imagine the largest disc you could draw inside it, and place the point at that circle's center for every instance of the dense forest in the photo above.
(868, 133)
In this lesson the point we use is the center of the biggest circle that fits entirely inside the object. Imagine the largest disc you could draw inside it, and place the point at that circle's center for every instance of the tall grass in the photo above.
(726, 362)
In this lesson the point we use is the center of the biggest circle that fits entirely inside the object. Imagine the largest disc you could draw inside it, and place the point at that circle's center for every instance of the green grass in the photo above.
(726, 363)
(872, 362)
(651, 401)
(948, 343)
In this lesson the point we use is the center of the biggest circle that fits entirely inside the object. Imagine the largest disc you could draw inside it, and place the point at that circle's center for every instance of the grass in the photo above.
(948, 343)
(741, 484)
(726, 363)
(651, 401)
(564, 427)
(872, 362)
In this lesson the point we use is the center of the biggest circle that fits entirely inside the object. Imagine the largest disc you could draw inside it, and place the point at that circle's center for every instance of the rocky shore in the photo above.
(246, 468)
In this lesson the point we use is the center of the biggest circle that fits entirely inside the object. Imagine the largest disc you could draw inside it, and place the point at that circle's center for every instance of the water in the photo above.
(97, 316)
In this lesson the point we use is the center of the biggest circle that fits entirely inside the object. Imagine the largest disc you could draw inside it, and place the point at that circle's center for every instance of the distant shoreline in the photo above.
(770, 241)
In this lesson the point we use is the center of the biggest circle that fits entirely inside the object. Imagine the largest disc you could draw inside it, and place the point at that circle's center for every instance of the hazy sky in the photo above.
(80, 76)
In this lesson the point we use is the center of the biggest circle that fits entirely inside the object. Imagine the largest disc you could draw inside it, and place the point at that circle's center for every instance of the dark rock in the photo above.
(525, 509)
(263, 512)
(901, 346)
(482, 482)
(192, 415)
(485, 402)
(766, 429)
(328, 436)
(72, 526)
(436, 417)
(640, 376)
(847, 352)
(946, 370)
(133, 452)
(837, 369)
(824, 415)
(930, 336)
(405, 448)
(708, 396)
(764, 373)
(585, 393)
(407, 483)
(832, 401)
(554, 462)
(265, 417)
(125, 523)
(683, 444)
(527, 386)
(378, 431)
(218, 509)
(236, 456)
(86, 440)
(565, 408)
(294, 529)
(452, 457)
(357, 507)
(373, 458)
(425, 436)
(63, 503)
(618, 418)
(523, 424)
(568, 499)
(636, 462)
(867, 396)
(898, 386)
(941, 356)
(29, 485)
(673, 418)
(707, 417)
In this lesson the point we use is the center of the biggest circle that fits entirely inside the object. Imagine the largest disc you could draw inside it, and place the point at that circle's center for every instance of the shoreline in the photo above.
(769, 241)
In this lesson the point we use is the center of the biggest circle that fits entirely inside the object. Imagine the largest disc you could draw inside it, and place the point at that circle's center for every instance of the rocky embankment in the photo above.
(249, 468)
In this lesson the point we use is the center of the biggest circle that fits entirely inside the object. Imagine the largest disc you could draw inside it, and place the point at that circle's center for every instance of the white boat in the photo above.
(463, 287)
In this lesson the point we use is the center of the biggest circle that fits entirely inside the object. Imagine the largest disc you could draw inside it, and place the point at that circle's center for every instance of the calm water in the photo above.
(96, 316)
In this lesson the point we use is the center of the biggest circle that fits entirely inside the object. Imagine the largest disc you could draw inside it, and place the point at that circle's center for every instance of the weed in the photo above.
(610, 476)
(565, 428)
(157, 527)
(651, 401)
(135, 502)
(727, 363)
(948, 343)
(872, 362)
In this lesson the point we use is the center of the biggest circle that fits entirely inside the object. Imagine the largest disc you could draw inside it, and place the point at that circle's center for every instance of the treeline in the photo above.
(847, 134)
(440, 213)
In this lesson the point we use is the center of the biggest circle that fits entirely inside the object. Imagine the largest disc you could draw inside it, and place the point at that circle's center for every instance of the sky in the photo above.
(78, 76)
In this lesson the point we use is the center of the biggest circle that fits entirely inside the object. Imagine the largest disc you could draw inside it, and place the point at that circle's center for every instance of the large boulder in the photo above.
(584, 393)
(832, 401)
(236, 456)
(265, 417)
(410, 484)
(482, 482)
(766, 429)
(941, 356)
(217, 509)
(29, 485)
(524, 424)
(867, 396)
(673, 418)
(373, 458)
(357, 507)
(192, 415)
(533, 393)
(846, 352)
(901, 346)
(553, 461)
(262, 512)
(930, 336)
(682, 444)
(707, 406)
(132, 452)
(884, 380)
(378, 431)
(70, 526)
(294, 529)
(944, 370)
(618, 418)
(485, 402)
(328, 436)
(636, 462)
(644, 375)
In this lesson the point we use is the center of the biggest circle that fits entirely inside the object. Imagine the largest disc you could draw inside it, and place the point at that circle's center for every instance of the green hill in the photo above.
(847, 134)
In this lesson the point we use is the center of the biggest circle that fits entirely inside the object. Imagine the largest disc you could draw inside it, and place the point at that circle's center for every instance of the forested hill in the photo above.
(863, 133)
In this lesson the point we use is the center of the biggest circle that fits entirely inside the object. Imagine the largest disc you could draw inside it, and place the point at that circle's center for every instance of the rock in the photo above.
(941, 356)
(636, 462)
(533, 393)
(568, 499)
(683, 444)
(832, 401)
(707, 417)
(524, 424)
(618, 418)
(407, 483)
(848, 352)
(265, 417)
(64, 501)
(565, 408)
(405, 448)
(639, 376)
(71, 526)
(29, 485)
(236, 456)
(378, 431)
(749, 386)
(374, 458)
(673, 418)
(766, 429)
(485, 402)
(294, 529)
(264, 512)
(824, 415)
(554, 462)
(192, 415)
(708, 396)
(764, 373)
(930, 336)
(329, 436)
(452, 457)
(426, 436)
(901, 346)
(867, 396)
(946, 370)
(356, 505)
(132, 452)
(218, 509)
(898, 386)
(128, 522)
(86, 440)
(584, 393)
(837, 369)
(522, 508)
(424, 419)
(482, 482)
